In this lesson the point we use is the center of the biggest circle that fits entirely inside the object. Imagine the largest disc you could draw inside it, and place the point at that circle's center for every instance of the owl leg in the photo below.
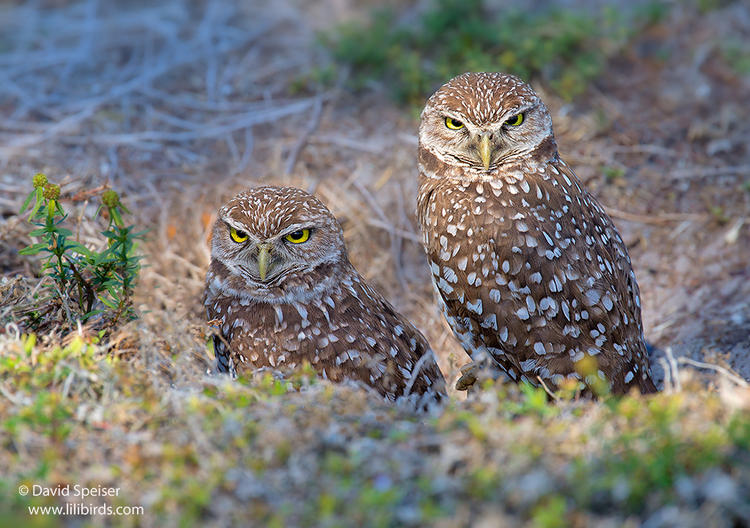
(479, 370)
(469, 373)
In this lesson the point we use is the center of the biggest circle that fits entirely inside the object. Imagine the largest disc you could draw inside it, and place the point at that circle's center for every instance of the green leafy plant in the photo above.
(86, 281)
(737, 56)
(565, 48)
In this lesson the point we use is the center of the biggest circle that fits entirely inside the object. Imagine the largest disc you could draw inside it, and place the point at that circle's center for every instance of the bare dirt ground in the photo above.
(178, 106)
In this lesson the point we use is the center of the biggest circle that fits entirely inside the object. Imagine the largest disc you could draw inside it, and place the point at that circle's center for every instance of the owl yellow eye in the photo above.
(453, 124)
(515, 120)
(298, 236)
(237, 236)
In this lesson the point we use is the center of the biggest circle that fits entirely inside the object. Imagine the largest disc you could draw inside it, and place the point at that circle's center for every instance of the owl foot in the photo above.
(468, 377)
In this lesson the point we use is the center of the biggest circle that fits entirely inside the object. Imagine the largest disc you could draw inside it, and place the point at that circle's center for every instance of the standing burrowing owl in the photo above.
(284, 291)
(529, 268)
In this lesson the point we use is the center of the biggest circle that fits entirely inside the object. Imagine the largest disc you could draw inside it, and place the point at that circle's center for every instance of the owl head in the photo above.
(273, 241)
(484, 120)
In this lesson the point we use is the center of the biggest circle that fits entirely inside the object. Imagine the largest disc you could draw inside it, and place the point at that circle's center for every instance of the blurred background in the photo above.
(178, 105)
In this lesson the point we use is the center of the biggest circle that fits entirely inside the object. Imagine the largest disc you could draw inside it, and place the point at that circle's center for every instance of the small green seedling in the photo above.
(86, 281)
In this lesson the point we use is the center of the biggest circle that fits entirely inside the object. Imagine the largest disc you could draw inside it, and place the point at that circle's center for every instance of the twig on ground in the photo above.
(68, 382)
(404, 220)
(304, 138)
(15, 400)
(668, 386)
(707, 172)
(674, 369)
(405, 235)
(657, 150)
(346, 142)
(664, 218)
(210, 130)
(547, 390)
(395, 240)
(12, 329)
(722, 370)
(247, 153)
(161, 48)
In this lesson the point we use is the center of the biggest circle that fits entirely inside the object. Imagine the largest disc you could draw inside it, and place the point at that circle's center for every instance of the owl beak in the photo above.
(485, 150)
(264, 251)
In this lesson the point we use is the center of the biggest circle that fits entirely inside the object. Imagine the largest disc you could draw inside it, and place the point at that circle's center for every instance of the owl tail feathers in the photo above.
(430, 402)
(435, 395)
(647, 386)
(428, 363)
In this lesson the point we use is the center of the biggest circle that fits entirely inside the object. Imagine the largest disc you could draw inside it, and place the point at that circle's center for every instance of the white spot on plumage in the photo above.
(528, 365)
(475, 307)
(530, 304)
(489, 321)
(444, 286)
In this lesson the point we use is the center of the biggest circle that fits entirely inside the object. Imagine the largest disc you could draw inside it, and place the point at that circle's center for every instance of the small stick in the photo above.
(700, 364)
(652, 219)
(668, 387)
(304, 138)
(705, 172)
(406, 235)
(16, 400)
(394, 239)
(547, 390)
(674, 368)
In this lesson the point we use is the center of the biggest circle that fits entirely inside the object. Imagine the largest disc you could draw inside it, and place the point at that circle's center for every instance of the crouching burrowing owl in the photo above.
(284, 291)
(530, 270)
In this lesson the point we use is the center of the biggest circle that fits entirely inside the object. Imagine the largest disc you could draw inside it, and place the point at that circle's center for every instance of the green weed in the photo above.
(652, 452)
(550, 513)
(86, 281)
(737, 56)
(566, 49)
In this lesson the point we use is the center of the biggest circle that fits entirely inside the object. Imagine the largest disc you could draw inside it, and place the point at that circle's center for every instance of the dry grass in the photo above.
(178, 106)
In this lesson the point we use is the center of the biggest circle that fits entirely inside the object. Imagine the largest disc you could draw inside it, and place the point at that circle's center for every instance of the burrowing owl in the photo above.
(529, 268)
(284, 291)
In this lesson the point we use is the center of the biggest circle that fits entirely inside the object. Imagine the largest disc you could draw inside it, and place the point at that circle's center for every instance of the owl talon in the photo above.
(474, 374)
(469, 376)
